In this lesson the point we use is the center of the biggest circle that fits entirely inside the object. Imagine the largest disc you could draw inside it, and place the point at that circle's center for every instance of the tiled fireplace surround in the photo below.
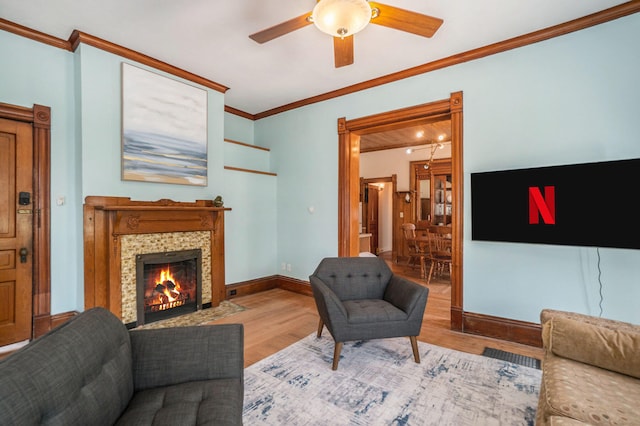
(117, 229)
(134, 244)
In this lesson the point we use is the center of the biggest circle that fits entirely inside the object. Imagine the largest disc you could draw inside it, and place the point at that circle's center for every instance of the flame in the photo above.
(162, 282)
(166, 276)
(165, 291)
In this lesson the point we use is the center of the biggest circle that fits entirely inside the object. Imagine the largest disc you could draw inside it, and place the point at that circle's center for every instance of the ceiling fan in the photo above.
(343, 18)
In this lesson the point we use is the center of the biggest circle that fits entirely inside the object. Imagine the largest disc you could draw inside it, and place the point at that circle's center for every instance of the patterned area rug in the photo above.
(378, 383)
(202, 316)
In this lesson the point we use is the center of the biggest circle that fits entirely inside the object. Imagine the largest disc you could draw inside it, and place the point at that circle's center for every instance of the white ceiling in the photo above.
(210, 38)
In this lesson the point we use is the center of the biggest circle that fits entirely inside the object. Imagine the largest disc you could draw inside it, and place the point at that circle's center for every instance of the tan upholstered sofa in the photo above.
(590, 371)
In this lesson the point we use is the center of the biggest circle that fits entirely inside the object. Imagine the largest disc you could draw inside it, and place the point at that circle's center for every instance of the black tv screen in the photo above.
(590, 204)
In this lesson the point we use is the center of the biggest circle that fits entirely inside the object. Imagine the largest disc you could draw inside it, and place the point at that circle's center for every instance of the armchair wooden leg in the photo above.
(336, 355)
(414, 346)
(320, 325)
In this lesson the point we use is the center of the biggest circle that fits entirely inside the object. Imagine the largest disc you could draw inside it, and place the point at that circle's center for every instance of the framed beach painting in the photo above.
(164, 129)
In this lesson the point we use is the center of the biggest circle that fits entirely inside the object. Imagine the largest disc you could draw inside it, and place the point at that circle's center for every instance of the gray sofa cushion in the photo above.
(188, 354)
(79, 371)
(210, 402)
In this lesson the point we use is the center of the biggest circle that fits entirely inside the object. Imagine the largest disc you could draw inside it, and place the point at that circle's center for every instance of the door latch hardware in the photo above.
(24, 198)
(23, 254)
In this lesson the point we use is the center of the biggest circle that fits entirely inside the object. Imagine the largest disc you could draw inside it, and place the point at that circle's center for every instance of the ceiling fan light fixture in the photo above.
(341, 18)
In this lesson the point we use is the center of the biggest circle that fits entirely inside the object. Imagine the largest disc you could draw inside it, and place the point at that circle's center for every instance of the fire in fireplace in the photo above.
(168, 284)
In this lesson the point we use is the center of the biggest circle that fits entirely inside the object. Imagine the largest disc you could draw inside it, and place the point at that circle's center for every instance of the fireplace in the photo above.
(168, 284)
(117, 229)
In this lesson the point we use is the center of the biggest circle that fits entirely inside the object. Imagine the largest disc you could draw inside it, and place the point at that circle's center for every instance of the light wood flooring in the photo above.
(277, 318)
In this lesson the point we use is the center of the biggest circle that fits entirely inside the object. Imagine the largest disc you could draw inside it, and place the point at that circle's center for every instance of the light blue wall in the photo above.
(238, 128)
(236, 155)
(303, 146)
(100, 113)
(250, 229)
(251, 234)
(83, 90)
(568, 100)
(34, 73)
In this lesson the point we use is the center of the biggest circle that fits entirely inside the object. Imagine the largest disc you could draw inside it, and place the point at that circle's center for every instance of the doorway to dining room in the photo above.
(416, 154)
(376, 212)
(350, 134)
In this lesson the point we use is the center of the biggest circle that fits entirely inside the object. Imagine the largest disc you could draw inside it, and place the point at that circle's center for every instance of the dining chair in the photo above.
(417, 252)
(439, 253)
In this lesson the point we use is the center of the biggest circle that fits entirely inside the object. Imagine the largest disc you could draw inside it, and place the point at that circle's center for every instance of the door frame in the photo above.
(39, 117)
(349, 180)
(393, 180)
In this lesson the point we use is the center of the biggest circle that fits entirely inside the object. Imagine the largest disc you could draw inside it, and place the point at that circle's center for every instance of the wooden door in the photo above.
(372, 217)
(16, 231)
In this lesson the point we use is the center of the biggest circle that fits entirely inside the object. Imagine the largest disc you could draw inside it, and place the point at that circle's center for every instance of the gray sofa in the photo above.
(92, 370)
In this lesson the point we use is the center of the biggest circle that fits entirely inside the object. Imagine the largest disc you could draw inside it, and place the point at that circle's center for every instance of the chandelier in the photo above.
(432, 147)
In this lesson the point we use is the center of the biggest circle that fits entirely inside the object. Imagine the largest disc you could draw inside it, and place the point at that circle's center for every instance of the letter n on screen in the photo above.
(542, 206)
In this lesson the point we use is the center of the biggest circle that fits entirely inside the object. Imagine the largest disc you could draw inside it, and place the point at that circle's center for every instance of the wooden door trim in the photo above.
(393, 179)
(39, 117)
(349, 180)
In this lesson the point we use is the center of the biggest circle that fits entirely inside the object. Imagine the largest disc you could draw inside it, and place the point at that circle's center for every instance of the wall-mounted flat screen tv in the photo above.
(590, 204)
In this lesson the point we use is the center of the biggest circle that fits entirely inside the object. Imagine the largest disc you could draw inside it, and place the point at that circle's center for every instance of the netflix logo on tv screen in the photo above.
(590, 204)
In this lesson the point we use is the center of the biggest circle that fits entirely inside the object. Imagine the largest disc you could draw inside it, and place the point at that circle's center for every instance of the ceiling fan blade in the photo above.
(281, 29)
(405, 20)
(343, 51)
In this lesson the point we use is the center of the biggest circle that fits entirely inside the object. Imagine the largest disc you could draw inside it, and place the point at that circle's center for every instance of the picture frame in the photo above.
(164, 129)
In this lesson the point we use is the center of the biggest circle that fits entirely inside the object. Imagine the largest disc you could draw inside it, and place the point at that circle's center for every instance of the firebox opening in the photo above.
(168, 284)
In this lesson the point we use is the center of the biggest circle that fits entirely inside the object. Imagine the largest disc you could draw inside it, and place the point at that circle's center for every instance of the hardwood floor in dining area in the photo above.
(277, 318)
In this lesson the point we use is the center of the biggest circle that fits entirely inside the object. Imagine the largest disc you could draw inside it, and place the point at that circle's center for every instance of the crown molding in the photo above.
(77, 37)
(625, 9)
(239, 113)
(38, 36)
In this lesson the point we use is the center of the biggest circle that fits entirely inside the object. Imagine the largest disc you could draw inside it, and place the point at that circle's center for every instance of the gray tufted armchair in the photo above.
(359, 298)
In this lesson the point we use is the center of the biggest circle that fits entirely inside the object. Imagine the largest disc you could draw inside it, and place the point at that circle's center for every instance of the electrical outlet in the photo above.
(288, 267)
(283, 266)
(232, 292)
